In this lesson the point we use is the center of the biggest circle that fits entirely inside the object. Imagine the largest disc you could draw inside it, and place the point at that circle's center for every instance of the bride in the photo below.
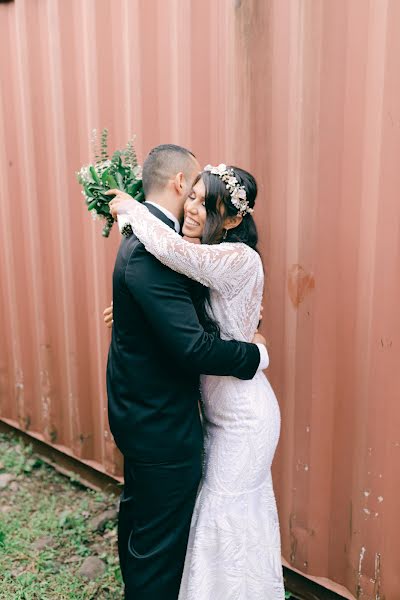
(234, 543)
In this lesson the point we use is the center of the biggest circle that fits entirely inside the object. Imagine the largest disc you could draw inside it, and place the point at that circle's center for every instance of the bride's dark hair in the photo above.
(219, 207)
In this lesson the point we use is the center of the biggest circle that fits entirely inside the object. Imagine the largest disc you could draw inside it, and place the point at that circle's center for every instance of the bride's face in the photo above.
(195, 213)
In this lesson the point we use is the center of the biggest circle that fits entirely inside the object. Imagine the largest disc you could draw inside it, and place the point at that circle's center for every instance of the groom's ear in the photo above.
(179, 182)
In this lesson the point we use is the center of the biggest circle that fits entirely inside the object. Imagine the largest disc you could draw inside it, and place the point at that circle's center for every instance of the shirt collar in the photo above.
(168, 214)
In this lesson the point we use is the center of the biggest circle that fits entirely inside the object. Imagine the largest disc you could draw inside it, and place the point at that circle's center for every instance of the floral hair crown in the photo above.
(236, 191)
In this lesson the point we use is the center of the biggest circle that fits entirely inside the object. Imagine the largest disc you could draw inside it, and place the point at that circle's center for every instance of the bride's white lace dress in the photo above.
(234, 543)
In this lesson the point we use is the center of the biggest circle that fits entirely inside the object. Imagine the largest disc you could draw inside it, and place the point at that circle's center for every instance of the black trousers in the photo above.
(153, 526)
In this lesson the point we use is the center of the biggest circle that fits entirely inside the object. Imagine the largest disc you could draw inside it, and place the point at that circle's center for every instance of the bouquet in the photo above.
(121, 171)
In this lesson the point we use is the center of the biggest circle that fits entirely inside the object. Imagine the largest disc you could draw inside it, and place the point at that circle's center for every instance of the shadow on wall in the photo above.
(302, 588)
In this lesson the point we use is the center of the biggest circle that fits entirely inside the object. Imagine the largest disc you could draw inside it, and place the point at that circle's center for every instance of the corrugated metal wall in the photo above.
(304, 93)
(322, 87)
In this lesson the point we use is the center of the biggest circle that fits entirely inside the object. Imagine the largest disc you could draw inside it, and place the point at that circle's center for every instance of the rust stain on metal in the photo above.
(293, 539)
(300, 283)
(359, 590)
(377, 577)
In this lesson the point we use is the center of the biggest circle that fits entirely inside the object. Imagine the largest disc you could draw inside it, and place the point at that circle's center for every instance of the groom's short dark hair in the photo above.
(164, 162)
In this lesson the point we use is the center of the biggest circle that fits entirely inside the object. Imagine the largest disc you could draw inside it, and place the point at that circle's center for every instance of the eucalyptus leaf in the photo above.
(92, 205)
(120, 181)
(111, 182)
(140, 197)
(104, 177)
(94, 187)
(134, 188)
(94, 174)
(88, 191)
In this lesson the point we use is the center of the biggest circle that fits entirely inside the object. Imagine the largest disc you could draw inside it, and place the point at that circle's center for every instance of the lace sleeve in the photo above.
(222, 267)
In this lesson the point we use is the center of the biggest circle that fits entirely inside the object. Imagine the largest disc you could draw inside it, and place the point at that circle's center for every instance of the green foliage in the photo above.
(18, 459)
(121, 171)
(130, 154)
(94, 175)
(104, 143)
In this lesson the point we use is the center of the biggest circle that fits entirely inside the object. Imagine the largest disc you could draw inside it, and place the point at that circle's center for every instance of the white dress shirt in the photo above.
(168, 214)
(264, 357)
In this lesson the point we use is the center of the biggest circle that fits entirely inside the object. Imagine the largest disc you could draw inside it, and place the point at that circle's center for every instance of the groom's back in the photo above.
(152, 398)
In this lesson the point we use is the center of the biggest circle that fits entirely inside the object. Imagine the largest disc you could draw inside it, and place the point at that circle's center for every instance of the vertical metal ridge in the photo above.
(11, 350)
(41, 401)
(60, 184)
(95, 246)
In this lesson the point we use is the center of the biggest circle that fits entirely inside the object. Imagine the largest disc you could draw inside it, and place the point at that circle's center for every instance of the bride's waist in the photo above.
(229, 380)
(226, 399)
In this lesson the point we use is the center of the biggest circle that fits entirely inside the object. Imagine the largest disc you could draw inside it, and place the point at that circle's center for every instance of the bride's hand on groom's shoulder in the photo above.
(108, 316)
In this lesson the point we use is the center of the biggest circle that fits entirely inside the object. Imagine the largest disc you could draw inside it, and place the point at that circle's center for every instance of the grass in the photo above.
(39, 503)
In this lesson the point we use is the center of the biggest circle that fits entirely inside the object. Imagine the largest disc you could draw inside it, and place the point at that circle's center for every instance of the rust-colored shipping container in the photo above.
(304, 93)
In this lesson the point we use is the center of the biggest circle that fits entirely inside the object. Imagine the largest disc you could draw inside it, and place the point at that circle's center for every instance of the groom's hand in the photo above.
(259, 339)
(261, 316)
(120, 198)
(108, 316)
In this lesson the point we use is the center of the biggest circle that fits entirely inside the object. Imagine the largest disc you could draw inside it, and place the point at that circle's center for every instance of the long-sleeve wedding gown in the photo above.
(234, 542)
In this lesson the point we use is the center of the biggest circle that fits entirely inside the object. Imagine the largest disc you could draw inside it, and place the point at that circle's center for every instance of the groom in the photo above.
(158, 350)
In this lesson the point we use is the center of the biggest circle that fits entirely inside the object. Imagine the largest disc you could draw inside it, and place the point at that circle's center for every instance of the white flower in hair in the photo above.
(236, 191)
(240, 193)
(221, 169)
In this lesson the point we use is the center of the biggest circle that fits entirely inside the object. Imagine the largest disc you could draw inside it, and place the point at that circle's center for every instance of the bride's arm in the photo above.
(220, 266)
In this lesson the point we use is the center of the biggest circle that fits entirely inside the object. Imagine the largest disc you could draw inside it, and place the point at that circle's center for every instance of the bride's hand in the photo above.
(120, 199)
(108, 316)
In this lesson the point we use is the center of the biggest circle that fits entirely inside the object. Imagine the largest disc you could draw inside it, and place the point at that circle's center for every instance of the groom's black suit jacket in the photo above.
(158, 350)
